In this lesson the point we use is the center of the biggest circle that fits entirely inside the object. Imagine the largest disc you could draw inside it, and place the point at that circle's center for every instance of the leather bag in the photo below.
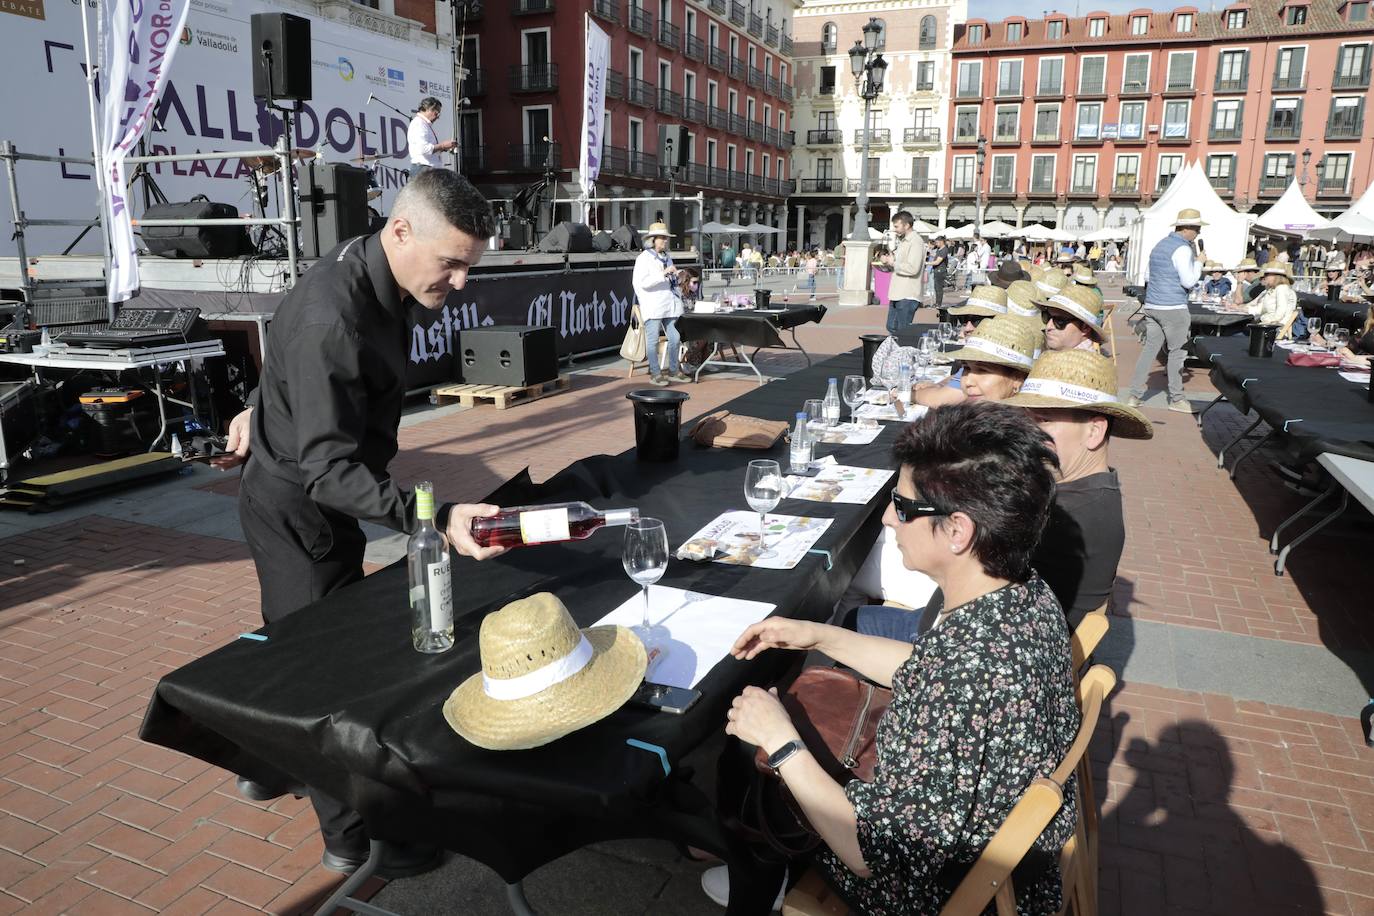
(723, 429)
(1322, 360)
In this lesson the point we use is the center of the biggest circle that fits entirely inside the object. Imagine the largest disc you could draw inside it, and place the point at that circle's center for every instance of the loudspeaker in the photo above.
(626, 238)
(285, 41)
(508, 355)
(566, 237)
(676, 136)
(517, 235)
(333, 205)
(602, 241)
(677, 224)
(195, 241)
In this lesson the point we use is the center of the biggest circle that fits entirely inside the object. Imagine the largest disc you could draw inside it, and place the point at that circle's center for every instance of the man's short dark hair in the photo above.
(995, 465)
(430, 103)
(905, 216)
(445, 195)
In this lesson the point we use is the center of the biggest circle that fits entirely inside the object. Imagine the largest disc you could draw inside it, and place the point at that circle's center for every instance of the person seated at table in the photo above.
(1073, 320)
(655, 283)
(1278, 304)
(1084, 276)
(985, 301)
(1361, 346)
(1217, 283)
(982, 705)
(994, 358)
(1008, 272)
(1072, 394)
(1064, 263)
(1248, 284)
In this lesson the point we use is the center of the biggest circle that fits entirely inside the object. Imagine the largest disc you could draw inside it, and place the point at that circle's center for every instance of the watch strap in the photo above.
(784, 754)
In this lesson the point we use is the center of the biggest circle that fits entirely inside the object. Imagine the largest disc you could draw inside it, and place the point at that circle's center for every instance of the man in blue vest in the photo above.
(1174, 269)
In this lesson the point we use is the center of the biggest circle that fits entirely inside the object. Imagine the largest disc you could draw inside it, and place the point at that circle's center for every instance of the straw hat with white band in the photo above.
(1083, 275)
(1052, 282)
(1021, 297)
(1280, 268)
(1212, 267)
(1065, 256)
(1080, 380)
(1083, 304)
(1188, 218)
(1001, 341)
(542, 677)
(987, 301)
(656, 229)
(1246, 264)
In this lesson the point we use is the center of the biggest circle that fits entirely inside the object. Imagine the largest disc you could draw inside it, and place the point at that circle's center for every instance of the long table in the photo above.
(336, 697)
(748, 328)
(1352, 477)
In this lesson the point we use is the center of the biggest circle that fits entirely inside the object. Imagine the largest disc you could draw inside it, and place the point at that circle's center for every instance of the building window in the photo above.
(1015, 31)
(1235, 19)
(1084, 173)
(711, 153)
(830, 38)
(1359, 12)
(1127, 173)
(1278, 170)
(1092, 76)
(1289, 68)
(1042, 174)
(1233, 71)
(1009, 78)
(1089, 121)
(1352, 67)
(1347, 119)
(1183, 22)
(1008, 123)
(1132, 122)
(970, 79)
(920, 174)
(825, 120)
(1285, 119)
(1221, 171)
(1097, 28)
(880, 43)
(1135, 75)
(1047, 122)
(923, 120)
(1226, 120)
(827, 80)
(962, 175)
(1169, 167)
(925, 76)
(1335, 172)
(1051, 76)
(1140, 25)
(966, 123)
(975, 34)
(1054, 29)
(1004, 174)
(1181, 71)
(927, 37)
(1176, 116)
(1295, 15)
(825, 171)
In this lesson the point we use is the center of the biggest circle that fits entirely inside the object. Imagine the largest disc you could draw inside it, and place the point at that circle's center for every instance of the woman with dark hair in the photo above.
(982, 704)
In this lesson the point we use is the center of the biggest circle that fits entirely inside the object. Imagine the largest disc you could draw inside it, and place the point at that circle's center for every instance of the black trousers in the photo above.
(302, 552)
(938, 279)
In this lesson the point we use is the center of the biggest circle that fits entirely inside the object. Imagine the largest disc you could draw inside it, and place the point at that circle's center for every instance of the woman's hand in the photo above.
(757, 717)
(777, 633)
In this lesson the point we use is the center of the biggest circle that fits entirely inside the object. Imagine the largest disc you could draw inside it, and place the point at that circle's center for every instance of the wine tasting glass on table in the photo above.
(645, 558)
(1342, 339)
(763, 487)
(854, 388)
(1314, 326)
(947, 332)
(1329, 335)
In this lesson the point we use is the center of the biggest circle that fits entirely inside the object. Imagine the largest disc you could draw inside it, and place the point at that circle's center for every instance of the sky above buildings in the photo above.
(999, 9)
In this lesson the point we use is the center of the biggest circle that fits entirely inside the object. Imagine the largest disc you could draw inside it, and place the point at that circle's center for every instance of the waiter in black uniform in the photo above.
(322, 429)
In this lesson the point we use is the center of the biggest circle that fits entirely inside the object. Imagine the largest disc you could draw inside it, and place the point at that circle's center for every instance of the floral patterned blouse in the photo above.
(984, 705)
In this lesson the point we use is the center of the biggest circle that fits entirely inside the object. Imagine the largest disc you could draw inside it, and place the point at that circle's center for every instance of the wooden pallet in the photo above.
(502, 396)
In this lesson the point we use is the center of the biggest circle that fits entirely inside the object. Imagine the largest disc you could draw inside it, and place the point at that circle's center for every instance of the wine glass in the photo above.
(1314, 327)
(814, 411)
(853, 394)
(947, 331)
(1329, 334)
(763, 486)
(645, 558)
(1342, 339)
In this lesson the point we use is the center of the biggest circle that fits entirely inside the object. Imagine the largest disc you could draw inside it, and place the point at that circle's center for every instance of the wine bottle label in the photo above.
(544, 525)
(440, 595)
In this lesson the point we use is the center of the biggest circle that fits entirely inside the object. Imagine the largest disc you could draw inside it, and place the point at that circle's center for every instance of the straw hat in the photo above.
(1188, 218)
(661, 229)
(1281, 268)
(1052, 282)
(1021, 297)
(1001, 341)
(1246, 264)
(1035, 272)
(1210, 266)
(542, 677)
(1081, 303)
(1065, 256)
(987, 301)
(1083, 274)
(1080, 380)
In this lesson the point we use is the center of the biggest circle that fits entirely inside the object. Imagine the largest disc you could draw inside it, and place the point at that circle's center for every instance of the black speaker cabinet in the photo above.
(677, 225)
(195, 241)
(673, 149)
(626, 238)
(333, 205)
(517, 235)
(602, 241)
(281, 56)
(508, 355)
(566, 237)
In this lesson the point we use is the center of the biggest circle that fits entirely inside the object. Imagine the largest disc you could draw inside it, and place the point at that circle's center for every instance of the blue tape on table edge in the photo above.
(254, 636)
(653, 749)
(829, 563)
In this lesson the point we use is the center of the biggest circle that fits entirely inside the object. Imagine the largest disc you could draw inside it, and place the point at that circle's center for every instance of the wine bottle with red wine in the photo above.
(522, 526)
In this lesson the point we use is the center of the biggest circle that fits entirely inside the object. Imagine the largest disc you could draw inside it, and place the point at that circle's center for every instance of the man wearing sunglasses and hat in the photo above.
(1073, 319)
(1174, 269)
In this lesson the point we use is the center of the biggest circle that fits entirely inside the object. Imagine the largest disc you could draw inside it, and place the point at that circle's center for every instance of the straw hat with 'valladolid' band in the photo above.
(987, 301)
(542, 677)
(1080, 380)
(1002, 341)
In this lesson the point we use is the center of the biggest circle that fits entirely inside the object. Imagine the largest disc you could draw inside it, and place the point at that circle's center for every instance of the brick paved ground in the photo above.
(1213, 803)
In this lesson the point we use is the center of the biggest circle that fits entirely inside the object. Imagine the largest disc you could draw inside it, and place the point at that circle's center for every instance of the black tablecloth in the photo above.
(747, 328)
(1206, 321)
(1346, 314)
(1313, 410)
(337, 698)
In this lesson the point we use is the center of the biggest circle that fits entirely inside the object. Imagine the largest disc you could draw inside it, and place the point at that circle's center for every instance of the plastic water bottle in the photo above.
(802, 446)
(905, 377)
(830, 407)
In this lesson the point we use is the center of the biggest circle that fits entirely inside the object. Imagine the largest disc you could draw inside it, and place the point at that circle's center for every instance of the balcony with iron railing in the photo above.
(1082, 190)
(716, 59)
(878, 137)
(737, 68)
(771, 35)
(787, 138)
(1233, 85)
(787, 93)
(669, 35)
(717, 7)
(608, 10)
(473, 159)
(615, 84)
(875, 185)
(825, 137)
(694, 47)
(1179, 87)
(1350, 80)
(828, 48)
(1009, 91)
(739, 14)
(1040, 188)
(1293, 82)
(640, 21)
(533, 78)
(785, 46)
(717, 118)
(1225, 133)
(472, 10)
(1162, 184)
(772, 85)
(1049, 91)
(1274, 184)
(962, 188)
(643, 165)
(1222, 183)
(771, 136)
(533, 157)
(1047, 137)
(615, 160)
(927, 186)
(694, 110)
(826, 89)
(697, 174)
(753, 130)
(1333, 187)
(1002, 189)
(755, 78)
(921, 136)
(475, 82)
(669, 102)
(639, 92)
(1344, 130)
(756, 25)
(1007, 138)
(1134, 88)
(531, 7)
(968, 92)
(1126, 186)
(738, 126)
(1283, 132)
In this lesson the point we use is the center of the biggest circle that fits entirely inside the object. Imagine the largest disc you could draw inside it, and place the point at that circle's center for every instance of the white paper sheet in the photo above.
(845, 433)
(888, 412)
(701, 629)
(1359, 378)
(839, 483)
(736, 536)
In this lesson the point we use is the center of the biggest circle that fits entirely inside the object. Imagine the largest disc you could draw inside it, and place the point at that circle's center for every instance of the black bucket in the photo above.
(658, 422)
(762, 297)
(1262, 337)
(871, 344)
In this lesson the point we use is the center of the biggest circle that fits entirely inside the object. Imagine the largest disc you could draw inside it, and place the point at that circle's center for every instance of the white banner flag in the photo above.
(598, 51)
(137, 41)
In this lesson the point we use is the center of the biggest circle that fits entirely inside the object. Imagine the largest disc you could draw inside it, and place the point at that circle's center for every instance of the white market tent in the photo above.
(1037, 232)
(924, 227)
(761, 229)
(1109, 234)
(1355, 224)
(1291, 214)
(997, 229)
(1223, 237)
(963, 232)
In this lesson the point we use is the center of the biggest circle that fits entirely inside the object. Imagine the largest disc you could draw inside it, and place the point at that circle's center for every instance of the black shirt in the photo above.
(333, 382)
(1082, 543)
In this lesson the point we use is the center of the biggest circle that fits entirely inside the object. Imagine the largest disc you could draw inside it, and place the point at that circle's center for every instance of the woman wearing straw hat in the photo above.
(1072, 394)
(655, 285)
(995, 358)
(1174, 270)
(981, 706)
(1278, 304)
(1073, 320)
(1217, 284)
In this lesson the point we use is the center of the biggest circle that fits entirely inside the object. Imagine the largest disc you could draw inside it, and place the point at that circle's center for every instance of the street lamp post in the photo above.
(978, 198)
(1306, 158)
(869, 69)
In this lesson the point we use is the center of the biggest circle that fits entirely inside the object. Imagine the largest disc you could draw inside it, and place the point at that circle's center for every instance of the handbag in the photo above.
(635, 346)
(723, 429)
(1322, 360)
(836, 713)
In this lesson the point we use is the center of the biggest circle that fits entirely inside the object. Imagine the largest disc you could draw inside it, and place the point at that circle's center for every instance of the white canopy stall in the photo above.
(1223, 237)
(1291, 214)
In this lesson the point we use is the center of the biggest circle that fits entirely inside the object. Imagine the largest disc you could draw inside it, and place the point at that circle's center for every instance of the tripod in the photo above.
(151, 192)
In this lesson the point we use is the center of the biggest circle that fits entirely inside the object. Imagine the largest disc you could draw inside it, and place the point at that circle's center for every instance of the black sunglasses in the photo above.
(912, 509)
(1060, 320)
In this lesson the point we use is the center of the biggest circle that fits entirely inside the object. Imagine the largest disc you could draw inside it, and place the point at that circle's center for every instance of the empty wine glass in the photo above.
(763, 486)
(645, 558)
(853, 394)
(1329, 334)
(947, 331)
(1314, 326)
(1342, 339)
(814, 411)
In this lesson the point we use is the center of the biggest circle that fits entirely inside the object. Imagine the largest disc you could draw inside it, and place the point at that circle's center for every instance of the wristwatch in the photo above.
(784, 753)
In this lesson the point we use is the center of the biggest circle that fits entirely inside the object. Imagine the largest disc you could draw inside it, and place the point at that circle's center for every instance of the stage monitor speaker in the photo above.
(602, 241)
(626, 238)
(677, 225)
(195, 241)
(508, 355)
(568, 238)
(674, 137)
(333, 205)
(281, 56)
(517, 235)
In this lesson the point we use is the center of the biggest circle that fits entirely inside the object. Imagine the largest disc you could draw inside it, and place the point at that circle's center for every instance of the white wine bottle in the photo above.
(431, 581)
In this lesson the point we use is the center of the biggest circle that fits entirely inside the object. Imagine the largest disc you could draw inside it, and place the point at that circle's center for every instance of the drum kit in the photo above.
(260, 168)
